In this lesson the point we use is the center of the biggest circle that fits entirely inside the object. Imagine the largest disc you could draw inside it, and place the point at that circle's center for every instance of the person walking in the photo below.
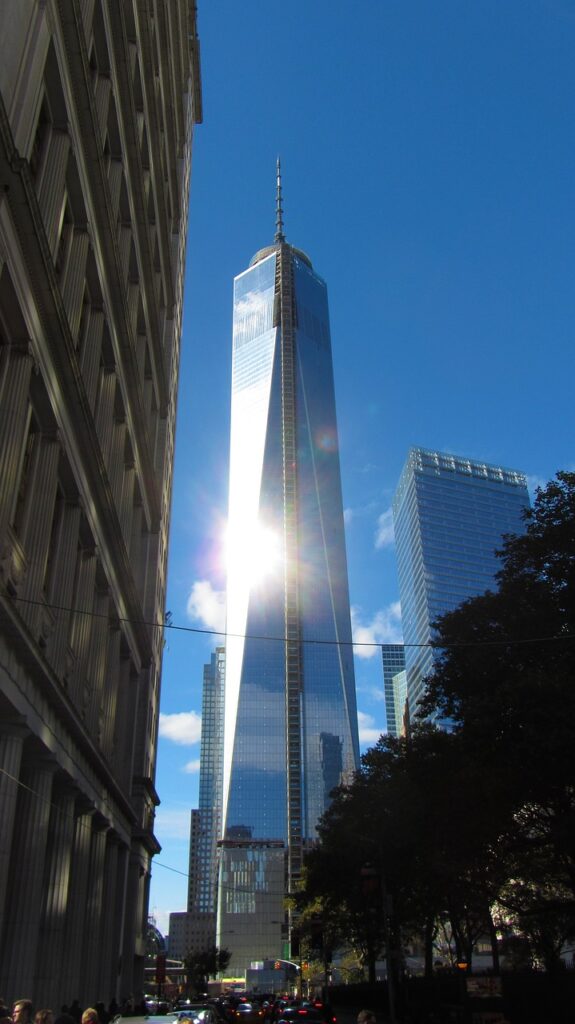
(90, 1016)
(366, 1017)
(43, 1017)
(22, 1011)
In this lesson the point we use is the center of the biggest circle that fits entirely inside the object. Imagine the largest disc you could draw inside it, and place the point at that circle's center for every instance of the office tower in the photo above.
(290, 716)
(399, 686)
(393, 657)
(211, 784)
(449, 514)
(194, 859)
(98, 101)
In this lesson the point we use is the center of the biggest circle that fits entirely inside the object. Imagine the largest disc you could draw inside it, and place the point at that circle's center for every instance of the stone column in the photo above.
(11, 743)
(102, 98)
(136, 546)
(115, 182)
(124, 245)
(93, 925)
(87, 9)
(66, 543)
(95, 674)
(74, 277)
(91, 347)
(116, 464)
(81, 621)
(132, 936)
(118, 914)
(127, 502)
(13, 427)
(51, 181)
(26, 880)
(37, 521)
(105, 410)
(108, 707)
(110, 938)
(47, 989)
(74, 929)
(126, 708)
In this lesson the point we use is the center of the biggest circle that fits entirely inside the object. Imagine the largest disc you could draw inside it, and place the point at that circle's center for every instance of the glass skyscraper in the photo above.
(290, 710)
(393, 658)
(203, 842)
(450, 514)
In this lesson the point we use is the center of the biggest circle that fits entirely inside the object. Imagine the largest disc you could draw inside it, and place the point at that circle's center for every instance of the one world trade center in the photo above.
(290, 708)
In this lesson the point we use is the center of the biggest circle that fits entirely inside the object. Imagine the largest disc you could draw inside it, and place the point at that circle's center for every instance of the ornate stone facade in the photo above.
(97, 107)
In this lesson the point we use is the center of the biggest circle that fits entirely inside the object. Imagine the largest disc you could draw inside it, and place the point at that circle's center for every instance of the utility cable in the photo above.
(153, 862)
(504, 642)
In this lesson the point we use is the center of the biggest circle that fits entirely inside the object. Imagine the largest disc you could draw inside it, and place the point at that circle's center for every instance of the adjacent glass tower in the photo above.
(393, 658)
(449, 514)
(290, 710)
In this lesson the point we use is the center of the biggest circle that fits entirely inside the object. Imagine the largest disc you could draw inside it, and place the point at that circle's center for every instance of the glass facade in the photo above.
(449, 514)
(393, 657)
(290, 710)
(203, 845)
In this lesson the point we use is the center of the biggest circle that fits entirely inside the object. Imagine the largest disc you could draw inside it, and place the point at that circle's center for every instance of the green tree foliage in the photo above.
(475, 824)
(201, 966)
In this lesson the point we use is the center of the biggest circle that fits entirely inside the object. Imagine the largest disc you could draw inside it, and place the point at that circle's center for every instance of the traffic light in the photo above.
(277, 965)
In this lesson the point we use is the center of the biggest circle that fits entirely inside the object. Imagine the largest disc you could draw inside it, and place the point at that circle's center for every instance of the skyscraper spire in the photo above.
(279, 235)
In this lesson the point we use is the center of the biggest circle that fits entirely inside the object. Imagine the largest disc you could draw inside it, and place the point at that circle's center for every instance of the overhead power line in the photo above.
(503, 642)
(88, 827)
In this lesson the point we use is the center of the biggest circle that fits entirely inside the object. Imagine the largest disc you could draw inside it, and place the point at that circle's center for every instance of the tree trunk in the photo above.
(429, 929)
(494, 944)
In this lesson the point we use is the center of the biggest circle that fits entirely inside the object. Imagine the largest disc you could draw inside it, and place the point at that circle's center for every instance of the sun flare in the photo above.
(253, 552)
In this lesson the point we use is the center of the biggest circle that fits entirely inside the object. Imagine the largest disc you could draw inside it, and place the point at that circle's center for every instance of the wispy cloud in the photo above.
(192, 767)
(171, 823)
(384, 535)
(183, 727)
(533, 482)
(207, 606)
(368, 731)
(384, 628)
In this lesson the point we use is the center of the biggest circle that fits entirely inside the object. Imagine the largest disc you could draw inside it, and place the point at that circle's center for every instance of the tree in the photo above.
(201, 966)
(504, 677)
(473, 826)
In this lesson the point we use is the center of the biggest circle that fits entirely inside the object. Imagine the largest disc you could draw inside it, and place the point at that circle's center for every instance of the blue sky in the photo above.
(428, 158)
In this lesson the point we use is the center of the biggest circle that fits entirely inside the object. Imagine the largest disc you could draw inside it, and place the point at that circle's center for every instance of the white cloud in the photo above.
(250, 304)
(171, 823)
(368, 731)
(207, 606)
(348, 515)
(533, 482)
(184, 727)
(384, 628)
(192, 767)
(384, 535)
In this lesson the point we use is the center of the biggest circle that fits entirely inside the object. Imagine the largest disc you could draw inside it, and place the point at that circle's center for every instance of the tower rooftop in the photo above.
(268, 249)
(279, 238)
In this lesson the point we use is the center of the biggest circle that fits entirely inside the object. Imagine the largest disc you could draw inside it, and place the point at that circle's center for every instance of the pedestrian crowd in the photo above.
(23, 1013)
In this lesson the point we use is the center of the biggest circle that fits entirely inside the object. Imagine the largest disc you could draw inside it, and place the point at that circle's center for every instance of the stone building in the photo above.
(97, 107)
